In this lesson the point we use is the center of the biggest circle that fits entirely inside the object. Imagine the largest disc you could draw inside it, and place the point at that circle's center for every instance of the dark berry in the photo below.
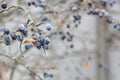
(28, 46)
(25, 32)
(44, 18)
(34, 37)
(48, 27)
(6, 31)
(89, 4)
(45, 46)
(68, 26)
(51, 75)
(4, 5)
(32, 74)
(7, 40)
(71, 46)
(29, 3)
(20, 38)
(100, 66)
(13, 36)
(38, 44)
(46, 41)
(46, 75)
(21, 27)
(63, 37)
(41, 39)
(33, 3)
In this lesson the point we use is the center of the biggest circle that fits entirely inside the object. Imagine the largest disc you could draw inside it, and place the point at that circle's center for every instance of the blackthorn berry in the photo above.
(4, 5)
(7, 39)
(38, 44)
(48, 27)
(13, 36)
(6, 31)
(28, 46)
(21, 27)
(45, 46)
(20, 38)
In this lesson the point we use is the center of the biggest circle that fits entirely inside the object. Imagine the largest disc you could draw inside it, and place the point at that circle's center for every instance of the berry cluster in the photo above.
(39, 39)
(42, 42)
(48, 75)
(37, 3)
(102, 13)
(21, 34)
(9, 36)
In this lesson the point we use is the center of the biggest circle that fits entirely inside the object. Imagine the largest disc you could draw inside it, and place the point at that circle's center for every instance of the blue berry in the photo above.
(45, 46)
(34, 37)
(21, 27)
(76, 17)
(28, 46)
(46, 41)
(25, 32)
(51, 75)
(63, 37)
(20, 38)
(2, 29)
(38, 44)
(89, 4)
(4, 5)
(46, 75)
(41, 39)
(48, 27)
(103, 2)
(13, 36)
(117, 26)
(6, 31)
(7, 40)
(29, 3)
(74, 8)
(44, 18)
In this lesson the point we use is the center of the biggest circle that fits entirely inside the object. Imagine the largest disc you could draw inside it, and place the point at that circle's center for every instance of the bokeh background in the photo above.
(95, 54)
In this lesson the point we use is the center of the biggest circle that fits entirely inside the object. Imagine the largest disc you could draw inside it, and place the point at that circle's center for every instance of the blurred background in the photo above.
(92, 54)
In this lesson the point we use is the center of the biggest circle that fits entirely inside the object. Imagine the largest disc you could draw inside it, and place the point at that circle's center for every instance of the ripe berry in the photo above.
(38, 44)
(76, 17)
(89, 4)
(34, 37)
(63, 37)
(13, 36)
(21, 27)
(6, 31)
(71, 46)
(4, 5)
(20, 38)
(46, 41)
(29, 3)
(25, 32)
(41, 39)
(45, 46)
(68, 26)
(7, 40)
(48, 27)
(44, 18)
(28, 46)
(2, 29)
(50, 75)
(74, 8)
(46, 75)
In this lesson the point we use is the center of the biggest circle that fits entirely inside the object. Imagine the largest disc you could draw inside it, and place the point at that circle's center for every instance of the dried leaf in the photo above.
(30, 40)
(85, 64)
(59, 23)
